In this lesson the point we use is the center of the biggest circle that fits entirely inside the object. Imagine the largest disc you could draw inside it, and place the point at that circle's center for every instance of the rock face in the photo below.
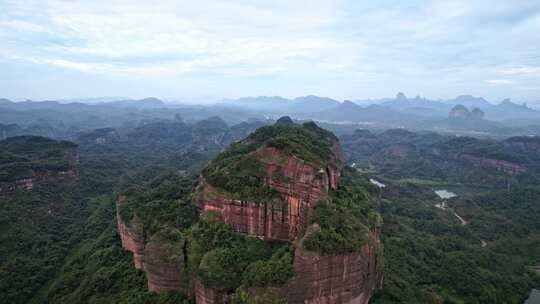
(21, 184)
(301, 187)
(501, 165)
(35, 175)
(131, 235)
(204, 295)
(350, 277)
(163, 274)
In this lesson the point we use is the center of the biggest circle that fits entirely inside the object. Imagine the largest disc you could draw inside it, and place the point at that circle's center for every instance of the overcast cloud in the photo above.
(342, 49)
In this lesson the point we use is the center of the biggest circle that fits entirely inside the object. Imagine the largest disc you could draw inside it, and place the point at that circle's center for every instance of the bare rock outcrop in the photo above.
(348, 277)
(131, 235)
(300, 184)
(164, 264)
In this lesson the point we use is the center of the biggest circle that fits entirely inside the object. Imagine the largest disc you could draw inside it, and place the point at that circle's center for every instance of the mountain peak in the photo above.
(401, 96)
(285, 120)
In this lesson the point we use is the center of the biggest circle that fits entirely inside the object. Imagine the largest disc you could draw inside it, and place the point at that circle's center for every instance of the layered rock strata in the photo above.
(349, 277)
(300, 185)
(28, 183)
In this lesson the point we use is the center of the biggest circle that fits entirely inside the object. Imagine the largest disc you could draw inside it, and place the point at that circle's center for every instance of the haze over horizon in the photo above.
(341, 49)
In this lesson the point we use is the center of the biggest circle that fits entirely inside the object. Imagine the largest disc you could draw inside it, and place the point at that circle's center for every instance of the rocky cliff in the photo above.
(508, 167)
(345, 277)
(27, 160)
(131, 235)
(300, 186)
(161, 256)
(282, 184)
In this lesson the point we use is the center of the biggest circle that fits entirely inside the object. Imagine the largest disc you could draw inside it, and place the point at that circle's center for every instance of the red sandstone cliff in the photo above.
(349, 277)
(345, 277)
(27, 183)
(164, 265)
(161, 259)
(131, 235)
(300, 184)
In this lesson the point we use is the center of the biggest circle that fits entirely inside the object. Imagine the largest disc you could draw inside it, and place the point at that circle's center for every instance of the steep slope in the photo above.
(266, 184)
(280, 218)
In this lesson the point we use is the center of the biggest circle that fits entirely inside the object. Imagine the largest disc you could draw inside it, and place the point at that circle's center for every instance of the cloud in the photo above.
(521, 70)
(213, 36)
(338, 47)
(500, 81)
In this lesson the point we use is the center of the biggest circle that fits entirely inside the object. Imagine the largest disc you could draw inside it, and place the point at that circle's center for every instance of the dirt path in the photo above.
(444, 206)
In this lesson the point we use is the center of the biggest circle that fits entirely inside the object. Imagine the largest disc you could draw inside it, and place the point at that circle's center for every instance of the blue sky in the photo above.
(58, 49)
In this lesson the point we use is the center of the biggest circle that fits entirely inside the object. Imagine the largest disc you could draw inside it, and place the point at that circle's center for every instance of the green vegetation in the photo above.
(242, 179)
(21, 156)
(345, 218)
(444, 159)
(59, 241)
(164, 203)
(60, 244)
(257, 296)
(239, 173)
(430, 257)
(226, 260)
(275, 271)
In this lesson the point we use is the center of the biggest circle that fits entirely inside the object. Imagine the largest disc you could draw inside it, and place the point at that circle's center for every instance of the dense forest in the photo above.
(60, 242)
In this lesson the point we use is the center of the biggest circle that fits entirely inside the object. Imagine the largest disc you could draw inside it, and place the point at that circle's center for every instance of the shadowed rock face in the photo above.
(163, 273)
(205, 295)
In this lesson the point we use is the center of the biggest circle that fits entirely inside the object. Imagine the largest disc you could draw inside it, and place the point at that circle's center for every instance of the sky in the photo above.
(61, 49)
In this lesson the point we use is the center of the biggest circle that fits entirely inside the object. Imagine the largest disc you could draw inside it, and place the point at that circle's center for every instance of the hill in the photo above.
(283, 185)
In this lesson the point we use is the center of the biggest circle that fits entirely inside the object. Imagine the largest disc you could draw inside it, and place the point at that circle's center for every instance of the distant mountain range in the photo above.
(390, 109)
(401, 111)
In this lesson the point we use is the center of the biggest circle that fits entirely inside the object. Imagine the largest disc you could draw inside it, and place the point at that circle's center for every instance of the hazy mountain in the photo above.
(266, 103)
(434, 109)
(401, 102)
(351, 112)
(470, 101)
(313, 103)
(146, 103)
(276, 104)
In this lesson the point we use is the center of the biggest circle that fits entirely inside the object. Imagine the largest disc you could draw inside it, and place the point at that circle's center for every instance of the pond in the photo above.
(534, 297)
